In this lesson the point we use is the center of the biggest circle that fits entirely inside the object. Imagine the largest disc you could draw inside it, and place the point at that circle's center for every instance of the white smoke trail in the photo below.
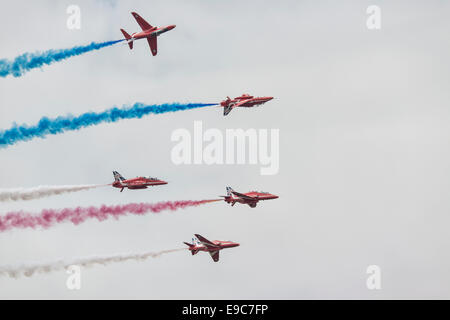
(40, 192)
(29, 270)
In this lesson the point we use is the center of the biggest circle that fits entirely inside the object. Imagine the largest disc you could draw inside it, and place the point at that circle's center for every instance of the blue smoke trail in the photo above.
(47, 126)
(28, 61)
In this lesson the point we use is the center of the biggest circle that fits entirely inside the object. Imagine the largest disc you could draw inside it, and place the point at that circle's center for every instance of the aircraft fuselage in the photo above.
(220, 245)
(137, 183)
(153, 32)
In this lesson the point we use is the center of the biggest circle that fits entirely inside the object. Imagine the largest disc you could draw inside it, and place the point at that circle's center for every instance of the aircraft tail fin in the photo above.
(128, 38)
(227, 110)
(229, 197)
(227, 106)
(118, 177)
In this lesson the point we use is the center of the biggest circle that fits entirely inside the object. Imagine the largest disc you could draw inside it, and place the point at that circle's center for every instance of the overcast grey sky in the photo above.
(364, 147)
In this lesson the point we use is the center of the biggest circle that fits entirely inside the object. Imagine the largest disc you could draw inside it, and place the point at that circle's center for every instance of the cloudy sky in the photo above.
(364, 147)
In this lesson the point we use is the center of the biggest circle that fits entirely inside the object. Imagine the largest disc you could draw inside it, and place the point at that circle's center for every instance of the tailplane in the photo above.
(191, 247)
(128, 38)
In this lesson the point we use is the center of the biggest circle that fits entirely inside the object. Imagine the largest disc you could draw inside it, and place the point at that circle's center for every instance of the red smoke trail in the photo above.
(49, 217)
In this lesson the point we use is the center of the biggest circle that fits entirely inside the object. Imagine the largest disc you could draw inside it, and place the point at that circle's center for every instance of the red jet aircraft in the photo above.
(243, 101)
(148, 31)
(213, 247)
(136, 183)
(250, 198)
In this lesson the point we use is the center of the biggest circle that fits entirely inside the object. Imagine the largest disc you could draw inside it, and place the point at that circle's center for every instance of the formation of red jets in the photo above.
(199, 243)
(151, 33)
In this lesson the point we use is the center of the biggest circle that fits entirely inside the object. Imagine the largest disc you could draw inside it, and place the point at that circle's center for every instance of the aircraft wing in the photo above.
(205, 241)
(214, 255)
(243, 196)
(141, 22)
(152, 42)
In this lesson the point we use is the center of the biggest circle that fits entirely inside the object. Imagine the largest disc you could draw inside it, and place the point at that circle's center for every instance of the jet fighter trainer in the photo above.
(135, 183)
(243, 101)
(148, 31)
(212, 247)
(250, 198)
